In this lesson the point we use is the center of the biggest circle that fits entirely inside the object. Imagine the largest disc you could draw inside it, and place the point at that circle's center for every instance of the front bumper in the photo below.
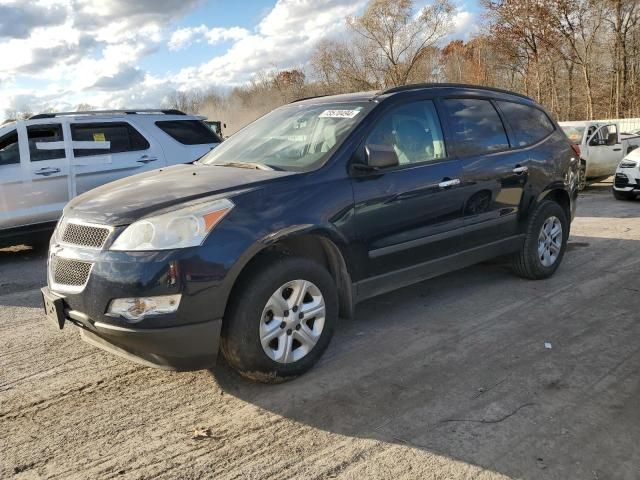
(185, 339)
(184, 347)
(626, 182)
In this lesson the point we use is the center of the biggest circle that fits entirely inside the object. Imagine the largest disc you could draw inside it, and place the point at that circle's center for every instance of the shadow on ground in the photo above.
(459, 366)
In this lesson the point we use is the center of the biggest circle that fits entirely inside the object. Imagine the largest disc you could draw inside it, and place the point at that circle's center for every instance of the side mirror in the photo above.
(380, 156)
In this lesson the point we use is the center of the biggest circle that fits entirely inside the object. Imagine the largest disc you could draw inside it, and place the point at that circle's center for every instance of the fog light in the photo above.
(135, 309)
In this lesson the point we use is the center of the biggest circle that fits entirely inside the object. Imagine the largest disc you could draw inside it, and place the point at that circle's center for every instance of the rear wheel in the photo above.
(618, 195)
(280, 320)
(544, 244)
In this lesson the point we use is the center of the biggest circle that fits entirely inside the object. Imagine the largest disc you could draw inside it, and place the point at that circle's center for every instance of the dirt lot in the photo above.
(446, 379)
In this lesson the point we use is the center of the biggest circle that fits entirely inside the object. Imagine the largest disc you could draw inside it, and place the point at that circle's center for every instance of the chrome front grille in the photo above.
(84, 235)
(69, 273)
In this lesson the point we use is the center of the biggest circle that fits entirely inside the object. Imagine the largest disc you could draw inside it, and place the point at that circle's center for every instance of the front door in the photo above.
(13, 208)
(604, 151)
(409, 214)
(46, 190)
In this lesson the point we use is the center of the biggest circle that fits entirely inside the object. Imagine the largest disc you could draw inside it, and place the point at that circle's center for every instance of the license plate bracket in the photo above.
(53, 308)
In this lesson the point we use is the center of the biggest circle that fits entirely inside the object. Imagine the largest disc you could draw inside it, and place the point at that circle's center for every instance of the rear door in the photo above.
(412, 213)
(493, 175)
(128, 152)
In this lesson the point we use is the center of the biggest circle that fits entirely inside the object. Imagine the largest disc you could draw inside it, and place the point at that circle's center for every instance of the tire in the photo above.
(528, 263)
(623, 195)
(258, 301)
(582, 176)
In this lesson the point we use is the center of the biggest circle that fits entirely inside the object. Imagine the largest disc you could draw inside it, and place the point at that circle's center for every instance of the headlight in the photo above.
(60, 228)
(186, 227)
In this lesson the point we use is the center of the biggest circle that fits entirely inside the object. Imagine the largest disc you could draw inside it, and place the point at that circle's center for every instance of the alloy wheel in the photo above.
(550, 241)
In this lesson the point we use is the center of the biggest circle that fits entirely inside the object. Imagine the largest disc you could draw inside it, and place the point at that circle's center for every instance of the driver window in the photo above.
(413, 131)
(605, 135)
(9, 150)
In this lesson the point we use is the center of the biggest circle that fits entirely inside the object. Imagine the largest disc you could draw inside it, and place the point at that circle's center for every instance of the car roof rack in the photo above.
(418, 86)
(108, 112)
(308, 98)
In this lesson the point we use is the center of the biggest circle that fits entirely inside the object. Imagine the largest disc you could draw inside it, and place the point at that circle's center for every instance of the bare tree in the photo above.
(389, 45)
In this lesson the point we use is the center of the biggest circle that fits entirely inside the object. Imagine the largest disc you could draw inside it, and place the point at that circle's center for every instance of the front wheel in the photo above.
(545, 243)
(582, 176)
(280, 319)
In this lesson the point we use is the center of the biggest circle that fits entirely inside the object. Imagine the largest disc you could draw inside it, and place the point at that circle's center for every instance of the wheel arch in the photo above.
(304, 241)
(559, 195)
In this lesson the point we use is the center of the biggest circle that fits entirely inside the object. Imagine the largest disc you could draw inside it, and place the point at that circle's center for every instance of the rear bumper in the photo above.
(183, 347)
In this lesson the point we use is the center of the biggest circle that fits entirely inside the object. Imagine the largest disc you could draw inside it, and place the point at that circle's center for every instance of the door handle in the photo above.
(617, 149)
(46, 171)
(520, 170)
(449, 183)
(147, 159)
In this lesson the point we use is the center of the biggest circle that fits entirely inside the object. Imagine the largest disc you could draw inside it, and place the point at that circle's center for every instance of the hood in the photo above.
(634, 155)
(129, 199)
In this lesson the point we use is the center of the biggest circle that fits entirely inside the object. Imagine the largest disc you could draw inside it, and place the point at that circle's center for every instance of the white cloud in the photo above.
(184, 37)
(284, 38)
(464, 25)
(90, 51)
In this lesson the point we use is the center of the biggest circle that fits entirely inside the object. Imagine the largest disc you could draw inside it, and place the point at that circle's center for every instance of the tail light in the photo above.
(576, 149)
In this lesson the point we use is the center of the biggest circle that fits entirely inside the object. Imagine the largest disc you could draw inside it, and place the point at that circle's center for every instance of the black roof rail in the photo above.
(308, 98)
(108, 112)
(417, 86)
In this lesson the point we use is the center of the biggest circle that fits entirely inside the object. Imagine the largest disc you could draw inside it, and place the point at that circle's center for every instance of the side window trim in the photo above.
(359, 153)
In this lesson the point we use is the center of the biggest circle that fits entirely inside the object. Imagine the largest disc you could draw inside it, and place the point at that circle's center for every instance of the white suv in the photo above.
(626, 183)
(50, 158)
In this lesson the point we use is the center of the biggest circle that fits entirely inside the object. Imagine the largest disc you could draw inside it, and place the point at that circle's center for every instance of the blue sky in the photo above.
(123, 53)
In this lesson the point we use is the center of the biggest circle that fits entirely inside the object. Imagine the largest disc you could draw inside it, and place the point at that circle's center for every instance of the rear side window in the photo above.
(529, 124)
(9, 150)
(475, 125)
(44, 134)
(188, 132)
(122, 136)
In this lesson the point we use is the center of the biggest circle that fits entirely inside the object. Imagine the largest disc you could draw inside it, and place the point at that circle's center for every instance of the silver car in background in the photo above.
(50, 158)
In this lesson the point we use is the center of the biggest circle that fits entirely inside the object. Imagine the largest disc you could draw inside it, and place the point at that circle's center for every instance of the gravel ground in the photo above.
(449, 378)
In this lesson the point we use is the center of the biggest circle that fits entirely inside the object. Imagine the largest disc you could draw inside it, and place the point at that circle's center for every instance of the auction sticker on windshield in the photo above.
(339, 113)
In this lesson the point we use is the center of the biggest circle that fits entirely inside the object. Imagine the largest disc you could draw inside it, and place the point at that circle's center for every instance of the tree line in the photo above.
(579, 58)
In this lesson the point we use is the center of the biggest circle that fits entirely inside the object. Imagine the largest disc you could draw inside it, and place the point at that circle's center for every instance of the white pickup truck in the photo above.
(602, 146)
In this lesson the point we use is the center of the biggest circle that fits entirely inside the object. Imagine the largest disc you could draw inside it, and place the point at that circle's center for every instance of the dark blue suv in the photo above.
(258, 248)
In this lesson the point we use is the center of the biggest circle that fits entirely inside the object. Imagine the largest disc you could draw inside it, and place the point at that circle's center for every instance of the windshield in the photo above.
(574, 134)
(295, 137)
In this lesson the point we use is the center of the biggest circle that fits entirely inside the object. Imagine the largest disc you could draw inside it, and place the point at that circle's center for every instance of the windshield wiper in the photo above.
(251, 165)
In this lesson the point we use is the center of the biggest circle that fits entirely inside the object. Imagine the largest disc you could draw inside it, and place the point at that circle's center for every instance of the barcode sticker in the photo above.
(339, 113)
